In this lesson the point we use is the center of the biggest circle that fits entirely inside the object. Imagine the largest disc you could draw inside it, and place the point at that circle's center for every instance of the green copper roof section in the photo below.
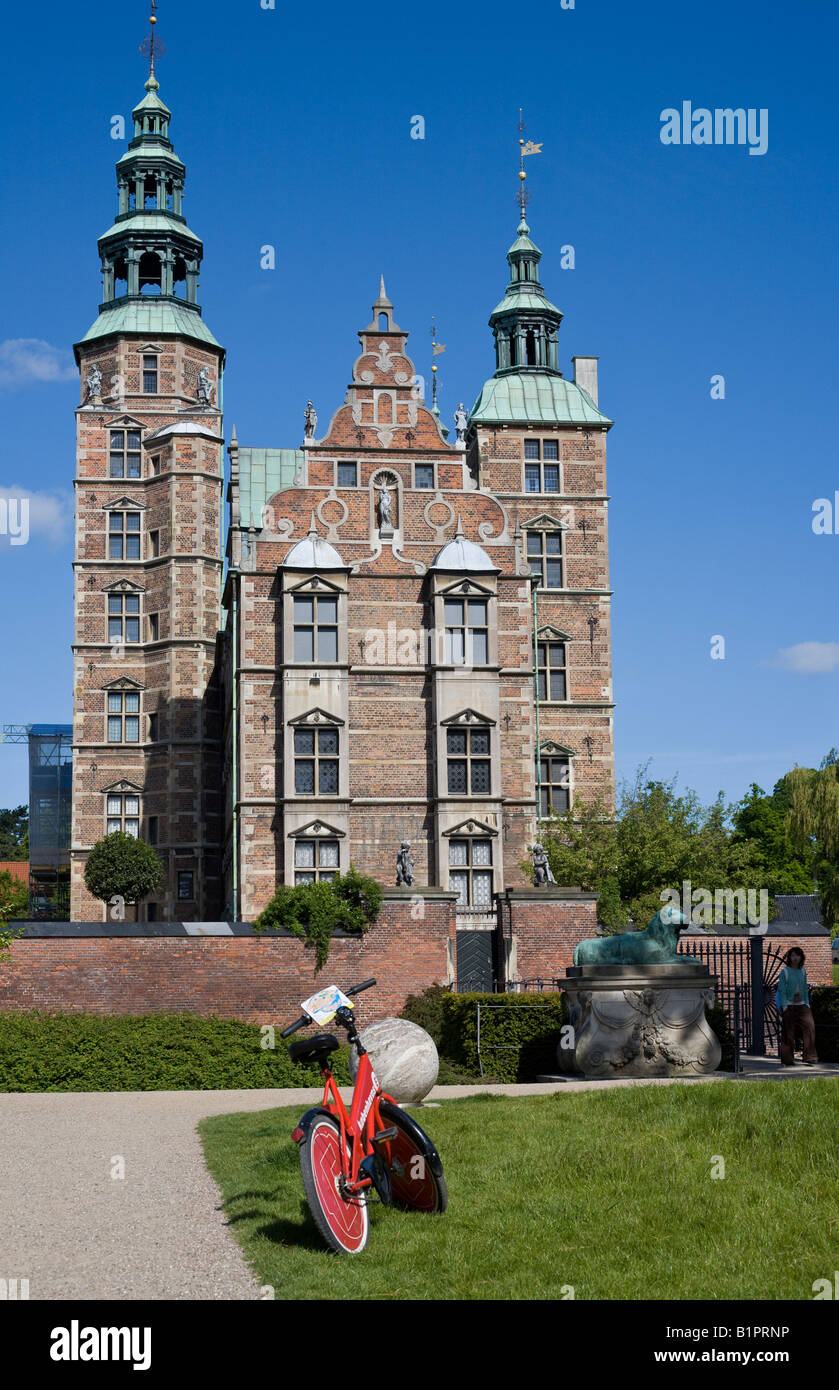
(149, 150)
(262, 472)
(151, 316)
(523, 242)
(527, 299)
(151, 101)
(150, 221)
(540, 397)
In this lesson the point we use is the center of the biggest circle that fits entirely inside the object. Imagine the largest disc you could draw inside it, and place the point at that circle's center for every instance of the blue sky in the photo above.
(691, 261)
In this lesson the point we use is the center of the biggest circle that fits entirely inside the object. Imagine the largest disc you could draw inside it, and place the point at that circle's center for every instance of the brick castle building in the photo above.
(360, 672)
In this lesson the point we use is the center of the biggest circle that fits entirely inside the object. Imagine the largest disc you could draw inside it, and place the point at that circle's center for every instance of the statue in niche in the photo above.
(383, 508)
(310, 415)
(205, 387)
(404, 865)
(93, 382)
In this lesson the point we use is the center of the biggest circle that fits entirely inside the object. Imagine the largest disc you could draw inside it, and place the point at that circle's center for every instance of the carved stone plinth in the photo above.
(639, 1020)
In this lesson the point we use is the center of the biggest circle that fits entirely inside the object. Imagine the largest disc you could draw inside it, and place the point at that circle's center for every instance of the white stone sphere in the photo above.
(404, 1058)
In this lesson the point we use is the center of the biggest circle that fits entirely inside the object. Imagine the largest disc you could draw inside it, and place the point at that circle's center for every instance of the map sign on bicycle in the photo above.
(324, 1005)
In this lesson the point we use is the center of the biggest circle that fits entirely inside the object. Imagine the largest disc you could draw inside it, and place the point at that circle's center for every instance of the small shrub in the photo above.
(426, 1009)
(313, 911)
(519, 1036)
(124, 867)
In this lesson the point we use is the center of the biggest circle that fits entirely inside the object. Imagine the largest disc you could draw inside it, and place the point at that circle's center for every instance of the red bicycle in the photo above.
(374, 1145)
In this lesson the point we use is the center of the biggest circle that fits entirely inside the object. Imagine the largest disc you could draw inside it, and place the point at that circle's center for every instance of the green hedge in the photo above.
(824, 1001)
(152, 1052)
(519, 1036)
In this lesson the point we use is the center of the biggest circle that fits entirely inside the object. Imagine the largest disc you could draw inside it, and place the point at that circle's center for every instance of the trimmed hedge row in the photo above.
(150, 1052)
(519, 1033)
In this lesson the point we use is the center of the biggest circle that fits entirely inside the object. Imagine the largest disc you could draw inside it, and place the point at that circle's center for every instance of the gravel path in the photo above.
(76, 1232)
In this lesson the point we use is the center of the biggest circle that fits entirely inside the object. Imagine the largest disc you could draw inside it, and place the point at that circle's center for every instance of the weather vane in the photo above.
(522, 195)
(435, 348)
(148, 47)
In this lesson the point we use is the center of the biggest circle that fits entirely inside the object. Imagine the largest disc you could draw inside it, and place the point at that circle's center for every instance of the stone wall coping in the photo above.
(551, 892)
(419, 890)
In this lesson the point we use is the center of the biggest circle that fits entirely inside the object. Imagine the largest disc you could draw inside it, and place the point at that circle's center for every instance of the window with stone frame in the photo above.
(123, 716)
(316, 761)
(424, 475)
(316, 861)
(470, 871)
(541, 467)
(552, 671)
(468, 761)
(554, 783)
(123, 618)
(316, 628)
(150, 374)
(124, 458)
(467, 631)
(346, 474)
(122, 813)
(544, 556)
(123, 535)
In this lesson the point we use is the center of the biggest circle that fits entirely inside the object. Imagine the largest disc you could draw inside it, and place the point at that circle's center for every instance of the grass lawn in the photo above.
(610, 1192)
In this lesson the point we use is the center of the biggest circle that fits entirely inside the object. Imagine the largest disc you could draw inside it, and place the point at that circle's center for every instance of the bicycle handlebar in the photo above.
(304, 1019)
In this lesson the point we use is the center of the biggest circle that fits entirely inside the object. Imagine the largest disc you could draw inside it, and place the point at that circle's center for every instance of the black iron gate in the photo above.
(746, 976)
(475, 962)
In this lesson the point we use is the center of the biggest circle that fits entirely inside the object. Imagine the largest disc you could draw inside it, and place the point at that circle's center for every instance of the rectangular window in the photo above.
(541, 477)
(470, 872)
(123, 618)
(424, 475)
(124, 457)
(554, 778)
(123, 535)
(153, 728)
(532, 478)
(468, 760)
(154, 627)
(316, 762)
(544, 554)
(531, 448)
(347, 475)
(154, 544)
(316, 628)
(150, 375)
(155, 466)
(186, 882)
(552, 671)
(151, 830)
(123, 716)
(316, 860)
(123, 814)
(550, 449)
(467, 632)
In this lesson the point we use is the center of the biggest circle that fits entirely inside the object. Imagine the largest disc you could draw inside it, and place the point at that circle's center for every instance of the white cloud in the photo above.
(24, 360)
(809, 658)
(46, 514)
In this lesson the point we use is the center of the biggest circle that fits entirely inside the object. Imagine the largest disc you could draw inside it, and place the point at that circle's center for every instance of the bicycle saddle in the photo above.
(317, 1048)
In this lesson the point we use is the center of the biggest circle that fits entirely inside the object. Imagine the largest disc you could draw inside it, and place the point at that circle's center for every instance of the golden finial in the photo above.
(529, 147)
(150, 49)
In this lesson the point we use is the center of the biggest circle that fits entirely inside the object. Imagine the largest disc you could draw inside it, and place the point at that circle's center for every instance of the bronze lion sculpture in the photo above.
(656, 945)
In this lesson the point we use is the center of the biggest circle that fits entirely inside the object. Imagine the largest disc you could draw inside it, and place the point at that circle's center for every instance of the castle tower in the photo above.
(148, 562)
(538, 442)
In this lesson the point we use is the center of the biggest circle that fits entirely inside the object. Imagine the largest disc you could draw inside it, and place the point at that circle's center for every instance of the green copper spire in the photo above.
(525, 323)
(150, 257)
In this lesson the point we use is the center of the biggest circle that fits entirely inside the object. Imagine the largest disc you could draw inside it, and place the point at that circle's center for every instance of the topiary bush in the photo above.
(519, 1036)
(149, 1052)
(313, 911)
(122, 866)
(824, 1001)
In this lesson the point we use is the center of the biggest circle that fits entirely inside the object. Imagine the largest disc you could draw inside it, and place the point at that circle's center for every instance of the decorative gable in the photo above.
(313, 717)
(315, 584)
(466, 717)
(557, 748)
(123, 683)
(470, 827)
(124, 586)
(121, 504)
(545, 522)
(316, 827)
(553, 634)
(122, 787)
(125, 422)
(467, 587)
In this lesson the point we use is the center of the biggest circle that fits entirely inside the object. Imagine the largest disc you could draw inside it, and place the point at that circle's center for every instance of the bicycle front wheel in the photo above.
(343, 1222)
(415, 1183)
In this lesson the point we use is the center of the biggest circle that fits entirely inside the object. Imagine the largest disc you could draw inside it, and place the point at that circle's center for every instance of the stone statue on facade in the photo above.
(460, 423)
(93, 382)
(541, 868)
(404, 865)
(205, 387)
(310, 415)
(385, 516)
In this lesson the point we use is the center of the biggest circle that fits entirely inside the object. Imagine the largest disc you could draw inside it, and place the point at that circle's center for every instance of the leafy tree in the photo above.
(313, 911)
(122, 866)
(763, 821)
(657, 839)
(813, 822)
(14, 833)
(14, 897)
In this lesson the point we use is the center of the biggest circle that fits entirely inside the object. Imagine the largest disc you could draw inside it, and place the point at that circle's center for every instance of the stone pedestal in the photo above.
(639, 1020)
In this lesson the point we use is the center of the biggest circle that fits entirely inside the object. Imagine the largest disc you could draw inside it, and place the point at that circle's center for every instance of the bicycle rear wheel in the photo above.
(343, 1222)
(415, 1183)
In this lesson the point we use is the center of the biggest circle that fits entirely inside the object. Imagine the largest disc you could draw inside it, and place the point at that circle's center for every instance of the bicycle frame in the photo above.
(359, 1126)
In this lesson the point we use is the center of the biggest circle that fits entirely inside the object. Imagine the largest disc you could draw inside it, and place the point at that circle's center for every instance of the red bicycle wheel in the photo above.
(416, 1185)
(342, 1221)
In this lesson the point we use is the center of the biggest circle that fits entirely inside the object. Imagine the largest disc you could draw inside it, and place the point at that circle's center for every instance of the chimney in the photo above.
(585, 375)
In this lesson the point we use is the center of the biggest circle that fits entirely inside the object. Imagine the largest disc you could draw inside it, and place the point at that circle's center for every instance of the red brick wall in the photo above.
(258, 979)
(546, 928)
